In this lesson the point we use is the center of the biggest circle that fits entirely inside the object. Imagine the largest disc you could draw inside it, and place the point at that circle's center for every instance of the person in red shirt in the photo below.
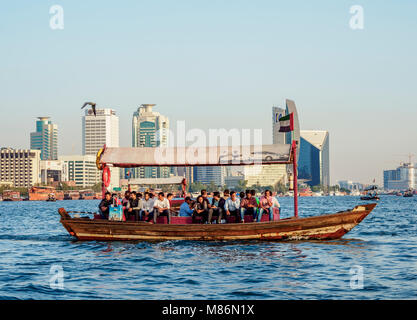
(248, 205)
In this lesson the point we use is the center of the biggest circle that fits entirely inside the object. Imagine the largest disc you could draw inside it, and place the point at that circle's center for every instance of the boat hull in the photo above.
(330, 226)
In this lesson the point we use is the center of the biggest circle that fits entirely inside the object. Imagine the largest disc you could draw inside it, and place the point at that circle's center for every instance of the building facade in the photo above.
(20, 167)
(265, 175)
(313, 161)
(277, 137)
(53, 171)
(402, 178)
(82, 169)
(210, 174)
(150, 129)
(45, 139)
(99, 130)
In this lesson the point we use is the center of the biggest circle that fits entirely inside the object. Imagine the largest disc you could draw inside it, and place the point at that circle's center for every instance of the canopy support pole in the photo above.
(103, 186)
(294, 163)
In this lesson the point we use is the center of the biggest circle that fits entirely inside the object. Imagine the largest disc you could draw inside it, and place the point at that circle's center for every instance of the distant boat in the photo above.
(370, 197)
(408, 194)
(372, 194)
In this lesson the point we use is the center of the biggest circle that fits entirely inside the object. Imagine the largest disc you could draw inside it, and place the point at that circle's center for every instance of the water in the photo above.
(383, 246)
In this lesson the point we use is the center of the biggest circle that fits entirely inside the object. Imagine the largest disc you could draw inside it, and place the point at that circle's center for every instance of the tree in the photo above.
(241, 185)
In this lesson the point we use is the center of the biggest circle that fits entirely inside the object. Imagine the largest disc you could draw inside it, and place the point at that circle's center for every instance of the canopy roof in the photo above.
(126, 157)
(156, 181)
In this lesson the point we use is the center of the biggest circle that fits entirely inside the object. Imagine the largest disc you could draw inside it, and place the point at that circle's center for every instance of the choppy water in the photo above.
(383, 247)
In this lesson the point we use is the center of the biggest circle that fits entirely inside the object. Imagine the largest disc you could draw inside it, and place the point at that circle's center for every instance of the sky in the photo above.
(218, 64)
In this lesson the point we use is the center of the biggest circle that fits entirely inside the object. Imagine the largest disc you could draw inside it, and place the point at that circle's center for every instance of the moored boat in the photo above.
(43, 193)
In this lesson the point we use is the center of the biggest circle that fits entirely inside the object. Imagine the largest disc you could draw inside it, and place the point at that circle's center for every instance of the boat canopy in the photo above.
(157, 181)
(130, 157)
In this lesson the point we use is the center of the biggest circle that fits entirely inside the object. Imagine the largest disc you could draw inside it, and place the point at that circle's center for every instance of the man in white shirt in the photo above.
(161, 208)
(147, 207)
(232, 206)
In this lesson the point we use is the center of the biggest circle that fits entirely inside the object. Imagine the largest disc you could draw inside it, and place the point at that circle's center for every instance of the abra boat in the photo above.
(327, 226)
(324, 227)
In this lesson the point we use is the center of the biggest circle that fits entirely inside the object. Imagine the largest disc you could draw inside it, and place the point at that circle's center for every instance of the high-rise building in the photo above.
(20, 168)
(82, 169)
(149, 129)
(313, 162)
(403, 178)
(210, 174)
(99, 130)
(45, 139)
(276, 173)
(277, 137)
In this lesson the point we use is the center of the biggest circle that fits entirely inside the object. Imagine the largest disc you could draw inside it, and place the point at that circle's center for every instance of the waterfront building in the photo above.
(150, 129)
(402, 178)
(45, 139)
(265, 175)
(52, 171)
(99, 130)
(20, 167)
(350, 185)
(233, 182)
(313, 161)
(211, 174)
(82, 169)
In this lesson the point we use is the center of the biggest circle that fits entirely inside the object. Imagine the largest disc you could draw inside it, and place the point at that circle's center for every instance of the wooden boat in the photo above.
(87, 195)
(330, 226)
(71, 195)
(43, 193)
(9, 195)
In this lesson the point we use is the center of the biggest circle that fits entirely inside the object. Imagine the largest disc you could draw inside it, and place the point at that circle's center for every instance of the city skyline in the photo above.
(351, 83)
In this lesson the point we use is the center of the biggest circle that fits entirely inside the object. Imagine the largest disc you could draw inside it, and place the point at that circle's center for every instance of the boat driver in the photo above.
(105, 204)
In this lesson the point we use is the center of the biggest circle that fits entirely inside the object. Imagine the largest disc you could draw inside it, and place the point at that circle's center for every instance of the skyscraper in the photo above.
(149, 129)
(277, 137)
(211, 174)
(45, 139)
(100, 130)
(313, 162)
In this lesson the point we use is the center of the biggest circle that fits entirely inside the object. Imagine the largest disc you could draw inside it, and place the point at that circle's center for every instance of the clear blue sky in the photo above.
(218, 64)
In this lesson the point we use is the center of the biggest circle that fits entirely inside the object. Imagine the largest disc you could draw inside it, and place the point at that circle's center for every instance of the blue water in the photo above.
(383, 247)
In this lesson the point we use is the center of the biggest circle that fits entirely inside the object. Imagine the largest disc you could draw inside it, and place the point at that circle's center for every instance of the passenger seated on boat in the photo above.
(222, 201)
(147, 207)
(161, 207)
(266, 206)
(232, 206)
(170, 196)
(201, 210)
(205, 198)
(186, 208)
(248, 205)
(135, 208)
(215, 210)
(105, 204)
(126, 203)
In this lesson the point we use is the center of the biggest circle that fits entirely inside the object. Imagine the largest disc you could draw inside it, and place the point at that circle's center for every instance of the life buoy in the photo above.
(98, 157)
(106, 176)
